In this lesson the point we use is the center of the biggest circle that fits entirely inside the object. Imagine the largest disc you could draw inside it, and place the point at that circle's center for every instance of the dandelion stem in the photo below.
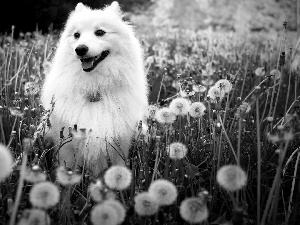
(19, 190)
(258, 162)
(156, 160)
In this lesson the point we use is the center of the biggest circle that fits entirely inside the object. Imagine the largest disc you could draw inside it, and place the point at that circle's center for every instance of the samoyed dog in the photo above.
(97, 81)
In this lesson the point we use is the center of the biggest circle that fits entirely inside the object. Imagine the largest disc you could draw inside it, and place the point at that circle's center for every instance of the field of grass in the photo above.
(221, 146)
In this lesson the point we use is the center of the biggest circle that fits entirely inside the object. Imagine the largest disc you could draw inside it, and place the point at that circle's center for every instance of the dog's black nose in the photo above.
(81, 50)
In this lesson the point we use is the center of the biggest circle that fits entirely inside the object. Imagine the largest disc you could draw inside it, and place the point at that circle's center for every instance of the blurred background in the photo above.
(230, 15)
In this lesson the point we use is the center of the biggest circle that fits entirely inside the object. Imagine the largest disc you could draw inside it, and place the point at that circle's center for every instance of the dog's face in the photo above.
(94, 35)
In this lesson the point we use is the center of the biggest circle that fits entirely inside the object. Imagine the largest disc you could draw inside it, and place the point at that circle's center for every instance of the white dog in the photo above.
(98, 82)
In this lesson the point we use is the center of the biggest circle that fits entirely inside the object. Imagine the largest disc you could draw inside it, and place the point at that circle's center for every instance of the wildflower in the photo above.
(16, 112)
(44, 195)
(224, 85)
(145, 204)
(34, 216)
(104, 214)
(207, 82)
(197, 109)
(34, 174)
(231, 177)
(66, 177)
(6, 162)
(177, 150)
(193, 210)
(260, 71)
(152, 110)
(216, 93)
(163, 191)
(199, 88)
(31, 88)
(96, 191)
(276, 73)
(121, 212)
(180, 106)
(165, 116)
(243, 109)
(118, 177)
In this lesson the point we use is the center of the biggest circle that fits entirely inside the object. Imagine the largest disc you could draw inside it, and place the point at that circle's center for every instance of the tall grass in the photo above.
(255, 126)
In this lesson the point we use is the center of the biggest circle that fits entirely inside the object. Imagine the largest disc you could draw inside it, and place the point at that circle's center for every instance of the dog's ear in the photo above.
(114, 6)
(79, 7)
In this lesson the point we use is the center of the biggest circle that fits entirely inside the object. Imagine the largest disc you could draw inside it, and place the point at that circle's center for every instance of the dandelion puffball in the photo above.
(164, 191)
(197, 109)
(231, 177)
(121, 212)
(193, 210)
(165, 116)
(118, 177)
(6, 162)
(104, 214)
(224, 85)
(34, 216)
(177, 150)
(216, 93)
(145, 204)
(44, 195)
(179, 106)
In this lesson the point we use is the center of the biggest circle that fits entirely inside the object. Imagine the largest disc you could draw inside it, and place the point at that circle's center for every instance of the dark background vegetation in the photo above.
(235, 15)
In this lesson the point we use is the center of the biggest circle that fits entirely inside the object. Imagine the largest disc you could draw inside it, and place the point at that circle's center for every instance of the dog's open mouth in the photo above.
(88, 64)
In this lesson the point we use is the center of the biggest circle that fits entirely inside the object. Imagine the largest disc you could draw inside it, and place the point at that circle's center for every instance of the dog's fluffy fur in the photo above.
(118, 83)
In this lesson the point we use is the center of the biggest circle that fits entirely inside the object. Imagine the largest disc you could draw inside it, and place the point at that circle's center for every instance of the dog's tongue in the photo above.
(87, 63)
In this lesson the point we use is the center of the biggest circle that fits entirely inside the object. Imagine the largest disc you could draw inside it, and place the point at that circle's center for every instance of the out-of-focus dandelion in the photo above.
(276, 73)
(165, 116)
(34, 174)
(207, 82)
(152, 110)
(44, 195)
(216, 93)
(199, 88)
(242, 110)
(231, 177)
(177, 150)
(31, 88)
(260, 71)
(65, 177)
(163, 191)
(224, 85)
(6, 162)
(118, 177)
(15, 111)
(180, 106)
(197, 109)
(97, 191)
(121, 212)
(34, 216)
(145, 204)
(104, 214)
(193, 210)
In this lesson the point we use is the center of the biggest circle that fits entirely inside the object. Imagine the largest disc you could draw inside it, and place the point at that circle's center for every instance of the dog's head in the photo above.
(94, 36)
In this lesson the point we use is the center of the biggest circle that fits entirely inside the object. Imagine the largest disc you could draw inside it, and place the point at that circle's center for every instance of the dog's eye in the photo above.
(99, 33)
(76, 35)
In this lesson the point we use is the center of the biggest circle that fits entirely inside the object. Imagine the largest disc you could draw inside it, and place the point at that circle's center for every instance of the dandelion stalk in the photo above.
(258, 162)
(19, 190)
(156, 160)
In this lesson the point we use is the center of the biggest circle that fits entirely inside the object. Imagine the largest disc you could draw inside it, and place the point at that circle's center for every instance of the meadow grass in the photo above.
(221, 146)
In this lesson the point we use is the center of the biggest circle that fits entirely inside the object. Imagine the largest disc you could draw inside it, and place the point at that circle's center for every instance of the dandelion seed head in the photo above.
(145, 204)
(31, 88)
(163, 191)
(34, 174)
(260, 71)
(65, 177)
(231, 177)
(152, 110)
(34, 217)
(6, 162)
(121, 212)
(276, 73)
(177, 150)
(197, 109)
(96, 190)
(199, 88)
(216, 93)
(165, 116)
(179, 106)
(193, 210)
(118, 177)
(224, 85)
(104, 214)
(44, 195)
